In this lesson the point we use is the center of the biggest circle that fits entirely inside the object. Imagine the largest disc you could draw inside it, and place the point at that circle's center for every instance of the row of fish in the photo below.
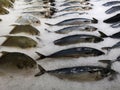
(114, 20)
(78, 73)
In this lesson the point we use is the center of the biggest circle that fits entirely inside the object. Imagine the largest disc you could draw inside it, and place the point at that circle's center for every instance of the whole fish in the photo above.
(113, 9)
(75, 8)
(113, 19)
(74, 21)
(115, 46)
(78, 38)
(69, 29)
(116, 35)
(73, 53)
(17, 60)
(25, 29)
(81, 73)
(111, 3)
(27, 20)
(3, 11)
(74, 3)
(68, 13)
(19, 41)
(115, 25)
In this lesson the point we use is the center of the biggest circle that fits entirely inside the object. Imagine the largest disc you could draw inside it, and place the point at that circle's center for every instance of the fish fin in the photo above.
(113, 76)
(41, 56)
(106, 48)
(5, 36)
(49, 24)
(94, 20)
(103, 35)
(42, 71)
(38, 39)
(48, 30)
(14, 25)
(108, 62)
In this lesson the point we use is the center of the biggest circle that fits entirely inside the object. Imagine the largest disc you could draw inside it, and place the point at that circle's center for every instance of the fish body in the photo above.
(80, 73)
(25, 29)
(79, 38)
(69, 13)
(16, 60)
(27, 20)
(19, 41)
(113, 9)
(113, 19)
(111, 3)
(75, 21)
(75, 8)
(3, 11)
(6, 3)
(73, 53)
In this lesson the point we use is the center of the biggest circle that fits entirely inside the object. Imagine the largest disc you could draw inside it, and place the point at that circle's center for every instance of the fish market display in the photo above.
(77, 41)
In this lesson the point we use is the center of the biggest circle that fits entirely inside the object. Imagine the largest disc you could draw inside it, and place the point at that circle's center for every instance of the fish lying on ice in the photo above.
(74, 21)
(73, 53)
(27, 20)
(69, 29)
(19, 41)
(3, 11)
(25, 29)
(78, 38)
(113, 9)
(81, 73)
(76, 8)
(113, 19)
(110, 3)
(6, 3)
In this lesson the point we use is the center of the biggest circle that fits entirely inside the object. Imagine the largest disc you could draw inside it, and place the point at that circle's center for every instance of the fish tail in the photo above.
(94, 20)
(41, 56)
(48, 30)
(103, 35)
(42, 71)
(108, 62)
(49, 24)
(106, 48)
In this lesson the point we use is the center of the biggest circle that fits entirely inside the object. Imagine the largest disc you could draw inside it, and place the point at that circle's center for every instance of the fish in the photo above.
(75, 8)
(3, 11)
(113, 19)
(74, 21)
(115, 25)
(81, 73)
(28, 20)
(6, 3)
(115, 46)
(75, 52)
(116, 35)
(110, 3)
(78, 38)
(77, 0)
(69, 13)
(113, 9)
(25, 29)
(17, 59)
(70, 3)
(19, 41)
(69, 29)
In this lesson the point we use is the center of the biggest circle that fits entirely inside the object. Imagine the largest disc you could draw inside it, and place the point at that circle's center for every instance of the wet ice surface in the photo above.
(46, 47)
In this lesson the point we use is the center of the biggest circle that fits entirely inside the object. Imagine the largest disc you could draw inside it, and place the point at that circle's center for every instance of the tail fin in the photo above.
(103, 35)
(107, 48)
(41, 56)
(49, 24)
(108, 62)
(42, 71)
(94, 20)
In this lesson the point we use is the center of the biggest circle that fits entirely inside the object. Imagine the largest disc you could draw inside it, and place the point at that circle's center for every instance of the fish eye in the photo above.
(37, 22)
